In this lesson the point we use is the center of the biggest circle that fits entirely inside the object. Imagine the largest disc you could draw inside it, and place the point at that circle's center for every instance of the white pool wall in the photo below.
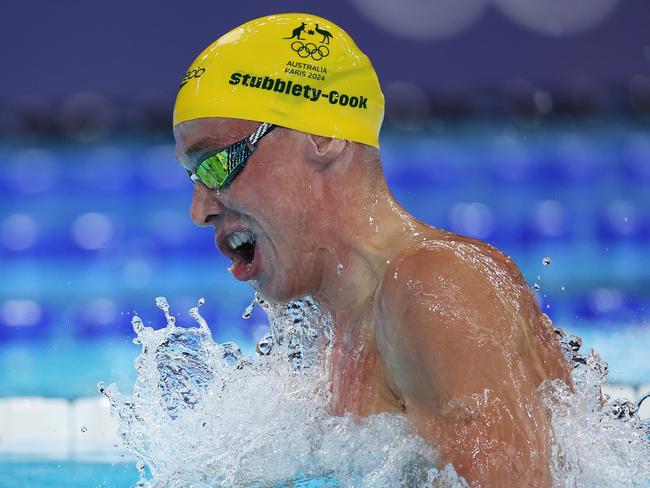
(59, 429)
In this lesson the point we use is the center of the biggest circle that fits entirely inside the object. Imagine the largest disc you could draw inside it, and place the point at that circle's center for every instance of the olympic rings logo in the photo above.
(310, 50)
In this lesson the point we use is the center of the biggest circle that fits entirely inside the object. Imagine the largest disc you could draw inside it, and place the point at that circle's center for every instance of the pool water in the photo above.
(70, 474)
(66, 474)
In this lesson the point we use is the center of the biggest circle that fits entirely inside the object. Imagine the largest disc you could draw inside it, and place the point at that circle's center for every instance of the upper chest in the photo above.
(358, 381)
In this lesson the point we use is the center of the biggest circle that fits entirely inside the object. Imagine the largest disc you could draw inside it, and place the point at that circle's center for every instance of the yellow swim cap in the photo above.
(295, 70)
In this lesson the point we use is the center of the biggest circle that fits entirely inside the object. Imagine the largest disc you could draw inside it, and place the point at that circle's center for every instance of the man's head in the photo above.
(275, 217)
(294, 70)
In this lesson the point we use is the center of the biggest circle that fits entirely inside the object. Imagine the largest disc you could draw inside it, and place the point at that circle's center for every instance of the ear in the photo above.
(323, 151)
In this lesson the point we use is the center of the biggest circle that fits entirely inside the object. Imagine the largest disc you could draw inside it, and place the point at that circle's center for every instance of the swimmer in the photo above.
(440, 327)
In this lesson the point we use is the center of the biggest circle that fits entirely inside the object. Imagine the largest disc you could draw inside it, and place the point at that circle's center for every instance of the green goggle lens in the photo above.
(219, 169)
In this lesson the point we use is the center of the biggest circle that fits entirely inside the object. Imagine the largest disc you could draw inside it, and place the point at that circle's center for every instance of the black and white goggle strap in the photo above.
(261, 130)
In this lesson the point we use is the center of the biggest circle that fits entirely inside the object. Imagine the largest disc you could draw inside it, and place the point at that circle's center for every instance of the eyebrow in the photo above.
(187, 158)
(205, 144)
(202, 145)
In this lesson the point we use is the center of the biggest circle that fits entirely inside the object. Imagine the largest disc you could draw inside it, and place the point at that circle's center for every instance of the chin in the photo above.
(275, 296)
(279, 293)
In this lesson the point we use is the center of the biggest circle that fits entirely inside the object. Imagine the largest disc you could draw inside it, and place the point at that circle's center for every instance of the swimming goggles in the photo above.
(217, 170)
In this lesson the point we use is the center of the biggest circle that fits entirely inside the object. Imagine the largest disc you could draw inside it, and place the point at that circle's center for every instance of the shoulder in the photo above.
(422, 283)
(441, 303)
(454, 272)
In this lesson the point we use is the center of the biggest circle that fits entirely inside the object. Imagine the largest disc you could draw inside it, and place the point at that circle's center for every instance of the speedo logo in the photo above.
(193, 73)
(288, 87)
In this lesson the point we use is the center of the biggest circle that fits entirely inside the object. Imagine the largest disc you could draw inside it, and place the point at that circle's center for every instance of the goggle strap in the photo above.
(261, 130)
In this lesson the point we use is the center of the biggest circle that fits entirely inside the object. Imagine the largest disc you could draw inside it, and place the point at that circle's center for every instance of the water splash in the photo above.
(585, 420)
(161, 303)
(205, 414)
(248, 311)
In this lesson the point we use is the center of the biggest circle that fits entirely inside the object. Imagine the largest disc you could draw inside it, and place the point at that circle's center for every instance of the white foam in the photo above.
(264, 419)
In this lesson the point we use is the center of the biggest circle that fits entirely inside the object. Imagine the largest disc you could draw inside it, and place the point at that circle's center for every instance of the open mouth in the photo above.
(240, 247)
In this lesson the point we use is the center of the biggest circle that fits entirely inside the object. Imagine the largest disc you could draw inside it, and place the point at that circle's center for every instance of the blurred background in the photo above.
(518, 122)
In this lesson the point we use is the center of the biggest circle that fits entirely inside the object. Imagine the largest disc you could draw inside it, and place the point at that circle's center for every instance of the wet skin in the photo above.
(438, 326)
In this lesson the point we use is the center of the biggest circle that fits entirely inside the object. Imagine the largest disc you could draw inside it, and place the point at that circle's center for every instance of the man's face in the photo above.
(267, 220)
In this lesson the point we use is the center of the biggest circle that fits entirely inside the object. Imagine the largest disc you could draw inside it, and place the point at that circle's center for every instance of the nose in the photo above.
(206, 205)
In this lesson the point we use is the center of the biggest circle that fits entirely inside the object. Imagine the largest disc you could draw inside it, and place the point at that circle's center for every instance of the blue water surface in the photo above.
(66, 474)
(70, 474)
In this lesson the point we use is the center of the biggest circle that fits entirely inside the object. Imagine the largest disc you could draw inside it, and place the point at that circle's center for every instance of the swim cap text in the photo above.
(288, 87)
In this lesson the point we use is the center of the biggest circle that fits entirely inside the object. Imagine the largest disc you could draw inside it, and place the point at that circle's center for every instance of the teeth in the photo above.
(238, 238)
(235, 241)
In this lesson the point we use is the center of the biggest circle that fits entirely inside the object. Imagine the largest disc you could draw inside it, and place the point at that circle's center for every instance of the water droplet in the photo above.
(562, 288)
(265, 345)
(546, 261)
(536, 287)
(248, 311)
(101, 386)
(196, 315)
(232, 354)
(137, 324)
(84, 428)
(575, 343)
(161, 303)
(339, 268)
(623, 409)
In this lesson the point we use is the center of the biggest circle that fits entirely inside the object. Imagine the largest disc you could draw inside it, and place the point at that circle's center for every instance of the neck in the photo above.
(370, 233)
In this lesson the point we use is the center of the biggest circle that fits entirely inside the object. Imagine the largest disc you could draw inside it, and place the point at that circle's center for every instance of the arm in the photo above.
(461, 357)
